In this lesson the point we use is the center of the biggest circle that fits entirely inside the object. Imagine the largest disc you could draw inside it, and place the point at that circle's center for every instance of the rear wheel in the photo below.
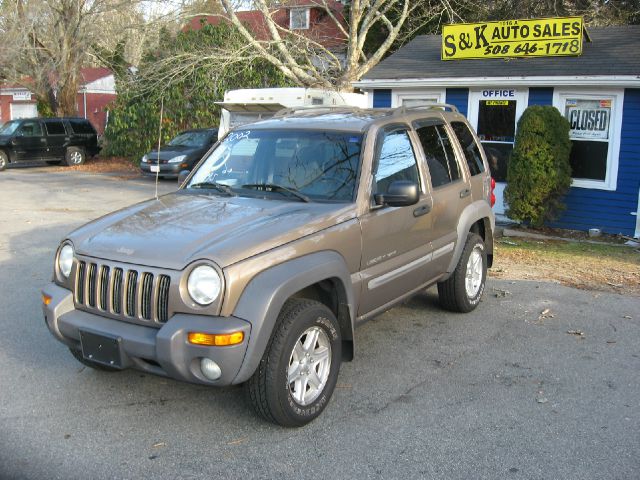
(75, 156)
(298, 372)
(462, 291)
(96, 366)
(4, 160)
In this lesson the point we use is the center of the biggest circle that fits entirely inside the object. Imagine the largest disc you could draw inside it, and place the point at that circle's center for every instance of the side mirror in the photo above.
(400, 193)
(182, 176)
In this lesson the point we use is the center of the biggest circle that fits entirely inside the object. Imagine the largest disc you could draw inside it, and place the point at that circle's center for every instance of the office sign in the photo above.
(544, 37)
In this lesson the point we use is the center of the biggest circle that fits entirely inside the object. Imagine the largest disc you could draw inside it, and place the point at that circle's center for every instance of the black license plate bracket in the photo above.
(101, 349)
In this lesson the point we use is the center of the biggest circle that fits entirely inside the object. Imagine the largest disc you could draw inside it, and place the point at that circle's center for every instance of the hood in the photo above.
(168, 152)
(181, 227)
(4, 139)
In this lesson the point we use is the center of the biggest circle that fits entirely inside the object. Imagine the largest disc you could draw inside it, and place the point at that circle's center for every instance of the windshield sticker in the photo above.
(235, 136)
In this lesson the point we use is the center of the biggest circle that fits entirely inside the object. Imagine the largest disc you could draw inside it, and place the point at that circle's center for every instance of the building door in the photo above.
(494, 113)
(23, 110)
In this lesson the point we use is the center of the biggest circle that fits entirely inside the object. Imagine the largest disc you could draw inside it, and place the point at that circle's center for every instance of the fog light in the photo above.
(210, 369)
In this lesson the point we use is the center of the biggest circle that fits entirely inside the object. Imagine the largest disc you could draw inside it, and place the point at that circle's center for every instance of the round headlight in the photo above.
(204, 284)
(145, 159)
(65, 260)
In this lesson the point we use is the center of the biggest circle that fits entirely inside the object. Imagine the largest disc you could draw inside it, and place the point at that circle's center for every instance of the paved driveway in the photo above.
(498, 393)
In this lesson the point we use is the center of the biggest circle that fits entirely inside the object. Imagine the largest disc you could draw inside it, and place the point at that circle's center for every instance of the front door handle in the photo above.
(422, 210)
(465, 193)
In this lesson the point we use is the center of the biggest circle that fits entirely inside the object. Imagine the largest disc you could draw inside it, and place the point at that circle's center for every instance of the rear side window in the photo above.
(55, 127)
(81, 126)
(469, 147)
(439, 154)
(396, 160)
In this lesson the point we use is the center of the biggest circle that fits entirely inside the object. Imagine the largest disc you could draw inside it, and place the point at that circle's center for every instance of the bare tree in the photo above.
(46, 42)
(309, 61)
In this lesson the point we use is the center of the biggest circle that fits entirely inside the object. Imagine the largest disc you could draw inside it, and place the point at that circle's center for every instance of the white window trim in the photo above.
(613, 156)
(307, 12)
(397, 96)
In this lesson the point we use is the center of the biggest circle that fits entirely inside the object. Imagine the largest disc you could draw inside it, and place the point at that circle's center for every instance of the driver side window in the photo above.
(396, 160)
(31, 129)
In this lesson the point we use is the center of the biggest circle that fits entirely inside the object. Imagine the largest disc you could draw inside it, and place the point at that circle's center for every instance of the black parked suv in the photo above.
(53, 140)
(180, 153)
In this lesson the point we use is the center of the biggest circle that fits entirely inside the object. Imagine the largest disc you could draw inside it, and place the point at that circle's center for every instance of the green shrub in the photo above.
(539, 173)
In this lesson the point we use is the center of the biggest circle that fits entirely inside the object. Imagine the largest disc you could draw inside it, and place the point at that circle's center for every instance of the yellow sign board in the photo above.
(542, 37)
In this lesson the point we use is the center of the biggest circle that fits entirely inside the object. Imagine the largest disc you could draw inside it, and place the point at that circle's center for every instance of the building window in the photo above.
(595, 121)
(299, 19)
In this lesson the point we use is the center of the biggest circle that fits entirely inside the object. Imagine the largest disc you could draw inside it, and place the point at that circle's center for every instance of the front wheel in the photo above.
(4, 160)
(299, 369)
(462, 291)
(74, 156)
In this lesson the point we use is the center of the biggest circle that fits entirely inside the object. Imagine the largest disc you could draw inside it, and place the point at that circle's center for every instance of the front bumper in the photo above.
(162, 351)
(166, 169)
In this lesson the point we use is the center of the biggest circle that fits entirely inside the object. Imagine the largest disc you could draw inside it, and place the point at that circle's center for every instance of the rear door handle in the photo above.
(465, 193)
(422, 210)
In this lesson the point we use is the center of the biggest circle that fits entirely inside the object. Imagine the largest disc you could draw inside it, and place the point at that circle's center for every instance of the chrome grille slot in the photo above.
(80, 278)
(162, 306)
(104, 287)
(116, 295)
(115, 291)
(92, 284)
(146, 295)
(132, 288)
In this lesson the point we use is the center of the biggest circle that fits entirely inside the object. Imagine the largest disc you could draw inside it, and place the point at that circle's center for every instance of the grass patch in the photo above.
(591, 266)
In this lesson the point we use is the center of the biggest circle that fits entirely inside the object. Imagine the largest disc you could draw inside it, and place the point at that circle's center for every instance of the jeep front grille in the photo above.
(125, 294)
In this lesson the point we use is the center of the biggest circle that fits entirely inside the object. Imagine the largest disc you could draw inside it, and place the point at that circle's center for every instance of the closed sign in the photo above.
(588, 119)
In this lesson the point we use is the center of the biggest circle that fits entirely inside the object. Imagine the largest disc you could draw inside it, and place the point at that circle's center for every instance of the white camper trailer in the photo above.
(252, 104)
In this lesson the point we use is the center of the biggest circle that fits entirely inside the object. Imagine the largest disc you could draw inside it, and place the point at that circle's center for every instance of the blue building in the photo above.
(598, 92)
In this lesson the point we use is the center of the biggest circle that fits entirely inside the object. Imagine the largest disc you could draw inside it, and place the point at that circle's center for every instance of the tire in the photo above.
(462, 291)
(96, 366)
(4, 160)
(75, 156)
(304, 330)
(53, 162)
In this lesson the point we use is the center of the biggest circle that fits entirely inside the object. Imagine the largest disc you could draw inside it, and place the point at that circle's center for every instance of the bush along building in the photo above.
(592, 77)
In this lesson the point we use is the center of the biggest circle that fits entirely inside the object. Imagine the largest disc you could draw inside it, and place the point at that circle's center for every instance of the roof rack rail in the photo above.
(313, 108)
(439, 106)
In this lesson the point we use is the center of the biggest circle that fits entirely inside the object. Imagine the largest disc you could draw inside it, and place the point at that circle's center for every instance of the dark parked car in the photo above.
(54, 140)
(181, 153)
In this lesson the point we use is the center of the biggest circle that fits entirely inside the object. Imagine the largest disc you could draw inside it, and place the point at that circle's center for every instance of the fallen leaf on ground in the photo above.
(239, 441)
(159, 444)
(580, 333)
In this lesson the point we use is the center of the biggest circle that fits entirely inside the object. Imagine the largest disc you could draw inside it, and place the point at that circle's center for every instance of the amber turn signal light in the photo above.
(46, 299)
(217, 340)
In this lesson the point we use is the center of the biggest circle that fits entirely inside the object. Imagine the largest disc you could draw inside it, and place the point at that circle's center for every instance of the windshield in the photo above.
(9, 127)
(317, 165)
(191, 139)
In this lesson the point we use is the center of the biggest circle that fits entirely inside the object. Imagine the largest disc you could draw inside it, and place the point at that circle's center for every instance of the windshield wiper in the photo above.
(274, 187)
(221, 187)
